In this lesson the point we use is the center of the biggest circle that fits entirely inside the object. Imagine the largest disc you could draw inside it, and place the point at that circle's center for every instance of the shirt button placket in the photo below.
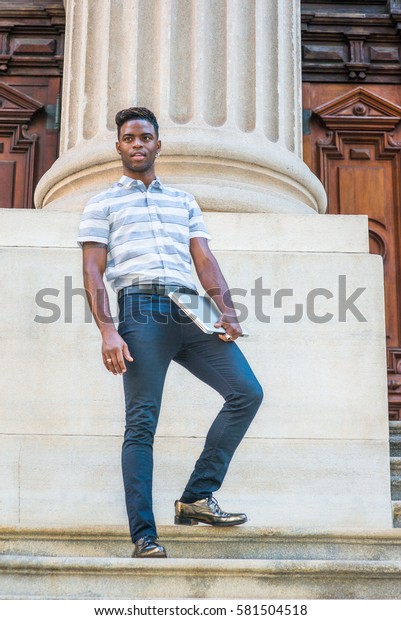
(155, 223)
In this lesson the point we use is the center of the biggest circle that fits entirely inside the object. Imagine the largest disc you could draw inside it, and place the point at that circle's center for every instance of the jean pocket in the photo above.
(133, 309)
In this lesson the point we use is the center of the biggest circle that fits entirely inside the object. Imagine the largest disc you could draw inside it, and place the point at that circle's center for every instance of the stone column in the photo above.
(223, 78)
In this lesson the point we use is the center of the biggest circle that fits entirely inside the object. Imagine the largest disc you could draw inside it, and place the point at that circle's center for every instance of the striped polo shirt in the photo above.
(147, 232)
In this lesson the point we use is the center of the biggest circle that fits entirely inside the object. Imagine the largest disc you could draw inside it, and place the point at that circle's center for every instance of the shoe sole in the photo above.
(193, 521)
(149, 557)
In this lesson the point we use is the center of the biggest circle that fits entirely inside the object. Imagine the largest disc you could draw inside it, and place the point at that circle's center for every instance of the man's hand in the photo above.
(114, 350)
(232, 327)
(213, 282)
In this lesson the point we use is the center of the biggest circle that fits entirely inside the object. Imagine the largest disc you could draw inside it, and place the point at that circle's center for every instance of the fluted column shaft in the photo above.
(223, 78)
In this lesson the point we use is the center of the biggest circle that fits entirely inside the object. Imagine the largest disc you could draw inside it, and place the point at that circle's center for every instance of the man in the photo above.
(143, 234)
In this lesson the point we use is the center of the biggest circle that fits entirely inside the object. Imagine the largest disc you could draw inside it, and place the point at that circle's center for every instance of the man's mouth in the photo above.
(138, 156)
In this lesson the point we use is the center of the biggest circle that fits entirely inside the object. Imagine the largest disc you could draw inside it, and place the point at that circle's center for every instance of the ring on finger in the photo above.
(228, 337)
(109, 360)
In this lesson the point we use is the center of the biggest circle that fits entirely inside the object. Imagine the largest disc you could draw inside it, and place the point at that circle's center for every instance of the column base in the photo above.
(228, 178)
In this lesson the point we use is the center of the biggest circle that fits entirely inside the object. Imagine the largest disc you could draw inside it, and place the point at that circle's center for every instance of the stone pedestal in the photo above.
(317, 454)
(223, 78)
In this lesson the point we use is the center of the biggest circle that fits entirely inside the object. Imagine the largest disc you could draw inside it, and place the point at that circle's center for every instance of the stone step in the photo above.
(203, 562)
(395, 446)
(395, 466)
(395, 427)
(397, 513)
(395, 439)
(396, 487)
(35, 577)
(206, 542)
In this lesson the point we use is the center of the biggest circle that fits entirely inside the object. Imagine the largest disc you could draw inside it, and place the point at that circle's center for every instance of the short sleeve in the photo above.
(94, 224)
(197, 226)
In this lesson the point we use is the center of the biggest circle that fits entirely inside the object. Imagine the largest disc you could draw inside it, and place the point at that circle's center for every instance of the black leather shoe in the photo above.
(205, 511)
(148, 547)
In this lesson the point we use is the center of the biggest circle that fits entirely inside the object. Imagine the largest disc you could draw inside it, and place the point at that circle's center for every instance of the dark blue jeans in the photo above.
(157, 332)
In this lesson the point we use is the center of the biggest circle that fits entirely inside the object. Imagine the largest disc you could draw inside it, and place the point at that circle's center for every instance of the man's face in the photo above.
(138, 146)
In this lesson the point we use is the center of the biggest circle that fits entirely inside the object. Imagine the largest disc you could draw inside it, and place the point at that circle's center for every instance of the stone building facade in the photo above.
(224, 78)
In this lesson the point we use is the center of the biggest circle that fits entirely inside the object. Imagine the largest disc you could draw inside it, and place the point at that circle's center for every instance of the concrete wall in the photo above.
(315, 456)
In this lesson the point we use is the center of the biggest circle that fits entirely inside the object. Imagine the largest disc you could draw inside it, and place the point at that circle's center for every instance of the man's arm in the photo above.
(94, 258)
(213, 282)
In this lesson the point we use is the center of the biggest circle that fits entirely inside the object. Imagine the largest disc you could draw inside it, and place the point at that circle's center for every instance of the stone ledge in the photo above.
(11, 563)
(248, 232)
(395, 465)
(202, 532)
(94, 578)
(395, 427)
(395, 443)
(396, 487)
(397, 514)
(205, 542)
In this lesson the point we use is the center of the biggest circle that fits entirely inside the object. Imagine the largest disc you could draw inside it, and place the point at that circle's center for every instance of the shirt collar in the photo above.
(128, 182)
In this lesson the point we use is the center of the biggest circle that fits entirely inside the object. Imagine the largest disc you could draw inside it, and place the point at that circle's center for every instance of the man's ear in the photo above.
(118, 148)
(159, 145)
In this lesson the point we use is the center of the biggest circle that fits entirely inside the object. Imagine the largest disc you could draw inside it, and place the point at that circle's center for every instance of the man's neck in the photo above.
(147, 177)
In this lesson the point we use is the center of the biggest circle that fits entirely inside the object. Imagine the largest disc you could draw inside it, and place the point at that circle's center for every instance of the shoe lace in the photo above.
(212, 501)
(147, 539)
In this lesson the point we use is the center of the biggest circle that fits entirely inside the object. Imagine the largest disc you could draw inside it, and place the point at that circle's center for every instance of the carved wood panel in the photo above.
(31, 59)
(353, 143)
(351, 41)
(17, 160)
(7, 183)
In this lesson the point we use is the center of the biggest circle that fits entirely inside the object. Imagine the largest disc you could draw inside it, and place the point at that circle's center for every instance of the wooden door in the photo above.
(31, 61)
(352, 142)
